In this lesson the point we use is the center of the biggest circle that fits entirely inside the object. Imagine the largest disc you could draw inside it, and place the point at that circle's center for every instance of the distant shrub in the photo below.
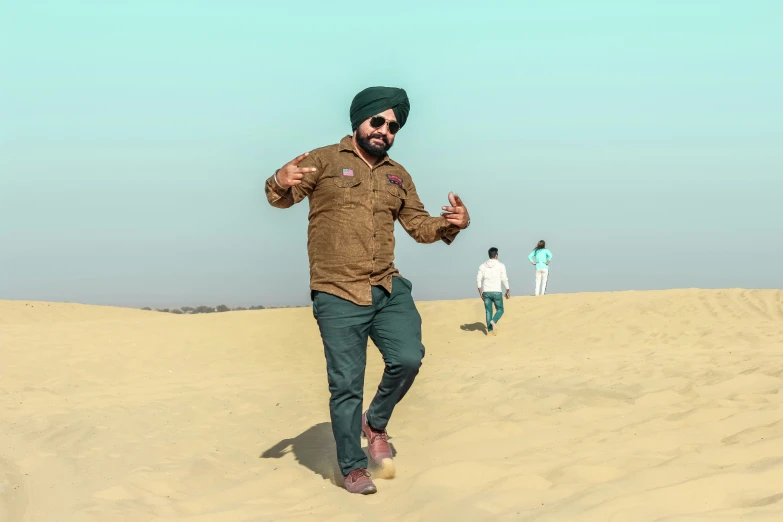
(203, 309)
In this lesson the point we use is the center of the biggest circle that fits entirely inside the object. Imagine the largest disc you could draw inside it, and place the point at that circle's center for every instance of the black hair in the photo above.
(493, 252)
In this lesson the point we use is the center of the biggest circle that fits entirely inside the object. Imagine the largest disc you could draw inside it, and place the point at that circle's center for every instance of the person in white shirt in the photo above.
(491, 274)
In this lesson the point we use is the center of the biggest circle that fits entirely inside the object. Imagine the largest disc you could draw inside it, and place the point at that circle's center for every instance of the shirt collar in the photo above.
(346, 145)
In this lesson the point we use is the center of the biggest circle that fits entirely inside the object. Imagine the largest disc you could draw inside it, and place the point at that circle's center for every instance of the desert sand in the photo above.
(630, 406)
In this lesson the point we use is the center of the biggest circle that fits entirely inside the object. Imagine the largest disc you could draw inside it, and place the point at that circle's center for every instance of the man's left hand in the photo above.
(456, 213)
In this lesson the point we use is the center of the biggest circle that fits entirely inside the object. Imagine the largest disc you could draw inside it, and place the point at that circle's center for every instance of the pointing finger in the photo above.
(306, 170)
(452, 199)
(295, 162)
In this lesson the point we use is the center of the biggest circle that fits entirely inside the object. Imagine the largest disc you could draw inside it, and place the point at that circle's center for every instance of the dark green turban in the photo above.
(375, 100)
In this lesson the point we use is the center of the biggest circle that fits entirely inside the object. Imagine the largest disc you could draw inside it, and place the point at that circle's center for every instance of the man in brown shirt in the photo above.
(356, 193)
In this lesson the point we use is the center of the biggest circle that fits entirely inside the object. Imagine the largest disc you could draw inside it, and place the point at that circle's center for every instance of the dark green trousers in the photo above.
(394, 325)
(491, 298)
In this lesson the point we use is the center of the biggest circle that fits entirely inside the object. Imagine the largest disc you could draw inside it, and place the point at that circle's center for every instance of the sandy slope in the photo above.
(637, 406)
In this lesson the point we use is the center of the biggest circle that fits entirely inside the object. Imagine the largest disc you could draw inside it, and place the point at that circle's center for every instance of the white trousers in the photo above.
(541, 278)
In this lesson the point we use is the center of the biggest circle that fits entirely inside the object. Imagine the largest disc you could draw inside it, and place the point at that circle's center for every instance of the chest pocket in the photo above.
(346, 188)
(393, 196)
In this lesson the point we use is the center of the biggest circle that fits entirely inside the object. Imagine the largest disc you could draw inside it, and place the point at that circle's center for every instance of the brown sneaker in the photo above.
(377, 441)
(358, 481)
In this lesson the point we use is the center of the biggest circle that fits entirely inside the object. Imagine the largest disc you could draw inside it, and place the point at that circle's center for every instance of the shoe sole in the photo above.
(369, 490)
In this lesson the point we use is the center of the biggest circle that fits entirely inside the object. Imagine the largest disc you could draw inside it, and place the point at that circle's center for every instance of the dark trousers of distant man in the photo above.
(394, 325)
(493, 298)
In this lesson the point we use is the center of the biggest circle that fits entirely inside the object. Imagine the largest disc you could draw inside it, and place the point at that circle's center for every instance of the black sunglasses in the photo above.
(376, 122)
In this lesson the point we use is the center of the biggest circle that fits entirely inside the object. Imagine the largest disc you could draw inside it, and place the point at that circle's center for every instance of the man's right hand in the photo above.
(291, 174)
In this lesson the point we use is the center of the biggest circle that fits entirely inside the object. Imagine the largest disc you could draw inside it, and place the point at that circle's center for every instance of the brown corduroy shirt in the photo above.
(350, 238)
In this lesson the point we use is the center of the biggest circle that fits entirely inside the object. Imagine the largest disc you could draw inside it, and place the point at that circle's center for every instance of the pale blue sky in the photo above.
(641, 139)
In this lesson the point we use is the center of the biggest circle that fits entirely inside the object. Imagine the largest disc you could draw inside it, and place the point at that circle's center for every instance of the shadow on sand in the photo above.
(474, 327)
(314, 449)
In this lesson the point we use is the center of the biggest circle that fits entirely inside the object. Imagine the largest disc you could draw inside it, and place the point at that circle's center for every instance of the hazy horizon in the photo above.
(307, 304)
(641, 141)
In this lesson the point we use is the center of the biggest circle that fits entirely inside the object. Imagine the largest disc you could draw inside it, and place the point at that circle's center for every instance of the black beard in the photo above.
(369, 148)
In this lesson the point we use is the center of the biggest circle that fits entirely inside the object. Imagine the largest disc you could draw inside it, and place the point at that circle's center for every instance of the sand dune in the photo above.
(633, 406)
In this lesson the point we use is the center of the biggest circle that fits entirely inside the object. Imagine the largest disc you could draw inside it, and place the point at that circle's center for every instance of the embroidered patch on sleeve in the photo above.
(394, 179)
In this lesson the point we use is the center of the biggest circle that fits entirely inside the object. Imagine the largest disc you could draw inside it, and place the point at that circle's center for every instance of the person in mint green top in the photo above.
(540, 257)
